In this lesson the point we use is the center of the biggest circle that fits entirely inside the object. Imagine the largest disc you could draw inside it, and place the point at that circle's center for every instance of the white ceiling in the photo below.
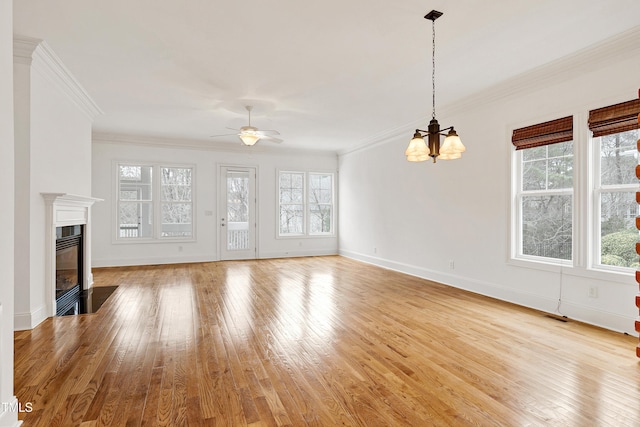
(329, 75)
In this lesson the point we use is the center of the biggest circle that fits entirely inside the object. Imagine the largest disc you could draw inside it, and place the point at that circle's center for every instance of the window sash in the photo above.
(529, 244)
(614, 231)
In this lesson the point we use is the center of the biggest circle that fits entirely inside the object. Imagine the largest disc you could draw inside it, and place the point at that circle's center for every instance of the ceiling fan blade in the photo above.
(237, 130)
(226, 134)
(271, 139)
(268, 132)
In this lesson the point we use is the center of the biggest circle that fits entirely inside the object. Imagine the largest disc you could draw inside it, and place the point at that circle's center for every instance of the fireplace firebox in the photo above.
(69, 271)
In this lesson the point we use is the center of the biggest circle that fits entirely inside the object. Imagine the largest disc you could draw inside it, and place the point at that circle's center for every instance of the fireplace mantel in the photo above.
(63, 209)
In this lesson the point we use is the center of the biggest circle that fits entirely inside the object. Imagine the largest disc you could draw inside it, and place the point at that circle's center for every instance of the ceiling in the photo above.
(329, 75)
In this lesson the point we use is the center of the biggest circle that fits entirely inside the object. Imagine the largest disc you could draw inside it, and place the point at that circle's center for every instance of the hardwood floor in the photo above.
(317, 341)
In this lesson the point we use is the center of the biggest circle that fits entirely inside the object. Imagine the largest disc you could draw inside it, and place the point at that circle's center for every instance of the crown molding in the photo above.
(196, 144)
(37, 54)
(597, 55)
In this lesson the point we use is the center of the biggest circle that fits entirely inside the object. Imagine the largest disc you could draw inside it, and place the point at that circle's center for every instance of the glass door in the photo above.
(238, 213)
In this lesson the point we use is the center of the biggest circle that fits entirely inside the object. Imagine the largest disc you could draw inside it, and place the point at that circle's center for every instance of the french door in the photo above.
(237, 215)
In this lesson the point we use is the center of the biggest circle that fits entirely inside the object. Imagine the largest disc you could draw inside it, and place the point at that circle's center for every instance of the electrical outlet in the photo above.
(375, 250)
(451, 264)
(593, 292)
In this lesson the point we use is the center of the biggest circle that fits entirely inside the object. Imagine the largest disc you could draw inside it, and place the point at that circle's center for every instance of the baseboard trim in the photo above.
(296, 254)
(9, 419)
(28, 321)
(128, 262)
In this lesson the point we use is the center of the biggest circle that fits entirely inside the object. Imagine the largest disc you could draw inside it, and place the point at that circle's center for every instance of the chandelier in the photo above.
(452, 148)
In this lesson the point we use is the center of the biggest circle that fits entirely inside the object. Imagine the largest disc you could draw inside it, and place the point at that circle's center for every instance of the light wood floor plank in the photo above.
(318, 341)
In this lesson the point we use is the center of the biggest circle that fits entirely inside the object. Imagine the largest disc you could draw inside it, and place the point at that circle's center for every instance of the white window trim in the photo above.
(156, 204)
(334, 201)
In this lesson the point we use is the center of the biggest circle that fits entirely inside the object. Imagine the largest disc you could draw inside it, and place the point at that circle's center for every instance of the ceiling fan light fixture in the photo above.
(249, 138)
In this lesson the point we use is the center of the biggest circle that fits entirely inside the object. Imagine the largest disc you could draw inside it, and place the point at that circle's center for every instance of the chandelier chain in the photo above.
(433, 67)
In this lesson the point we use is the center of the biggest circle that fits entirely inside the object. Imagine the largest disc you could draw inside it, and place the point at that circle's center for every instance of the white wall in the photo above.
(53, 154)
(418, 217)
(107, 150)
(6, 214)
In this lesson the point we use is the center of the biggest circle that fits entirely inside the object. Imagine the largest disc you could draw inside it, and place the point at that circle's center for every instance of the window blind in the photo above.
(614, 118)
(551, 132)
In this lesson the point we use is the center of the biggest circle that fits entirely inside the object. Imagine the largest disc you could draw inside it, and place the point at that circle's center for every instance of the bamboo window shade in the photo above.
(551, 132)
(614, 118)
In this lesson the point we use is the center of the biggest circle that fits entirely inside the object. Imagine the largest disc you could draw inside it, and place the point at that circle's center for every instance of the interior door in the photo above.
(237, 225)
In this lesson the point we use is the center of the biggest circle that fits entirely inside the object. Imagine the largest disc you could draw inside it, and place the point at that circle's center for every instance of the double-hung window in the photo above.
(306, 203)
(154, 202)
(544, 190)
(614, 139)
(548, 179)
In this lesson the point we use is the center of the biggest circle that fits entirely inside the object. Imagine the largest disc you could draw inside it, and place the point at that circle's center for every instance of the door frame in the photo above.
(221, 204)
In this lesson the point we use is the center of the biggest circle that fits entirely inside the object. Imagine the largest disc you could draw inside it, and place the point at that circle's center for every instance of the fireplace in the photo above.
(69, 271)
(68, 278)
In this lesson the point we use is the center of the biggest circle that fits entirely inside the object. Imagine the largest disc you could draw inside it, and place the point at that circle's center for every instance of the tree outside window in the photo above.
(546, 200)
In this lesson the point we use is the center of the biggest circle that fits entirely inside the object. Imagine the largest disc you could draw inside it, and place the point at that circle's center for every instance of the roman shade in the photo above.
(551, 132)
(614, 118)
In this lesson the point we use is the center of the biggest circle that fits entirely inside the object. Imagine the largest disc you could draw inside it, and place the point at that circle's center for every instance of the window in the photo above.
(149, 208)
(291, 203)
(177, 212)
(554, 175)
(545, 190)
(320, 203)
(306, 203)
(615, 137)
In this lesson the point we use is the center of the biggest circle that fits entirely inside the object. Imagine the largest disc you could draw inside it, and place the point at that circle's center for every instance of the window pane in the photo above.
(618, 230)
(176, 220)
(128, 194)
(546, 226)
(132, 173)
(320, 188)
(291, 219)
(534, 175)
(618, 158)
(551, 169)
(135, 219)
(176, 184)
(176, 176)
(237, 197)
(135, 182)
(320, 219)
(534, 153)
(176, 193)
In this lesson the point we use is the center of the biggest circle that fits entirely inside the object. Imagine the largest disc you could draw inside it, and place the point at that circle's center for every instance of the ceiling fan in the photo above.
(250, 135)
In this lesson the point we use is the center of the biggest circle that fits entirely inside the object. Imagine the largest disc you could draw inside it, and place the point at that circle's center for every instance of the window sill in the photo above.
(604, 274)
(142, 241)
(306, 236)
